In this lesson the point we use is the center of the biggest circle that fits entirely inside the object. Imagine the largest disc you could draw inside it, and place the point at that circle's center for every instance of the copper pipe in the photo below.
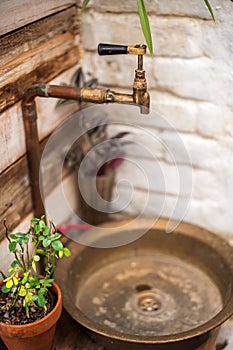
(139, 97)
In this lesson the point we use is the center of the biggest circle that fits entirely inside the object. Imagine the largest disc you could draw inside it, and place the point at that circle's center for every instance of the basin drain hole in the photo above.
(149, 303)
(143, 287)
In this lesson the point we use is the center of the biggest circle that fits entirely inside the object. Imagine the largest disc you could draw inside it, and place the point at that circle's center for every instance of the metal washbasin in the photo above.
(162, 291)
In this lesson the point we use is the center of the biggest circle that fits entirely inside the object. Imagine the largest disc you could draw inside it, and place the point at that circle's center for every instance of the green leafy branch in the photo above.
(145, 25)
(24, 280)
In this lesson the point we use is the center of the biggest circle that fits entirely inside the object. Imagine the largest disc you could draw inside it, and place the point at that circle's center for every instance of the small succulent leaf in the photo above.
(35, 297)
(12, 246)
(145, 24)
(9, 283)
(41, 301)
(22, 291)
(55, 236)
(14, 264)
(36, 258)
(42, 291)
(47, 282)
(67, 252)
(46, 231)
(41, 238)
(27, 285)
(42, 224)
(24, 280)
(60, 253)
(57, 245)
(40, 251)
(46, 242)
(210, 9)
(34, 221)
(34, 266)
(5, 289)
(38, 228)
(15, 280)
(84, 4)
(28, 298)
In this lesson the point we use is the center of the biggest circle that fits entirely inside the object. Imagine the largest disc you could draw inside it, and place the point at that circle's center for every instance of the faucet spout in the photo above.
(140, 95)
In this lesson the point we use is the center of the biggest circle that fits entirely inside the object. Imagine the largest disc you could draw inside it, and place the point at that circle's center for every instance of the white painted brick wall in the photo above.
(191, 82)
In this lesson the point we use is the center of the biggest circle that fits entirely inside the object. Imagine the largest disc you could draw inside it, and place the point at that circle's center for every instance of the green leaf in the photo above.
(55, 236)
(36, 258)
(46, 242)
(84, 4)
(22, 291)
(47, 282)
(41, 299)
(34, 221)
(145, 24)
(40, 251)
(35, 297)
(42, 224)
(25, 278)
(67, 252)
(12, 246)
(28, 298)
(38, 228)
(5, 289)
(210, 9)
(14, 263)
(57, 245)
(46, 231)
(41, 291)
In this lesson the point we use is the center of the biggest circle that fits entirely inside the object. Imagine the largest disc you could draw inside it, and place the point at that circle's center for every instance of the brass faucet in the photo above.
(139, 97)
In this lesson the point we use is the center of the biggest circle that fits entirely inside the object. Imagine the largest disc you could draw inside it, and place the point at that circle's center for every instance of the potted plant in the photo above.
(31, 304)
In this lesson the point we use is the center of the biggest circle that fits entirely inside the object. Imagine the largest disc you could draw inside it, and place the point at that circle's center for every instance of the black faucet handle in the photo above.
(112, 49)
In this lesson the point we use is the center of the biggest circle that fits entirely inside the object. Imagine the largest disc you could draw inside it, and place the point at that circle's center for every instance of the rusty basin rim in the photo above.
(187, 229)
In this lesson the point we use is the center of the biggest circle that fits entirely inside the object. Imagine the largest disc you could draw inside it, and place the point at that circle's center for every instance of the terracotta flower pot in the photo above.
(37, 335)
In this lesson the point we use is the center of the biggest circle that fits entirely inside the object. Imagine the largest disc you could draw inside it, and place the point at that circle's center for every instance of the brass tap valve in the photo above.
(140, 95)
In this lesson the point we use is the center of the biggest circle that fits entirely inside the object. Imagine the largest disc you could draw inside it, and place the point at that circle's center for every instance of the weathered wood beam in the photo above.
(46, 71)
(30, 37)
(44, 50)
(18, 13)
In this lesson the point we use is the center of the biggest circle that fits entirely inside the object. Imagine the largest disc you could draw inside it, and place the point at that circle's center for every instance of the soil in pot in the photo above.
(17, 315)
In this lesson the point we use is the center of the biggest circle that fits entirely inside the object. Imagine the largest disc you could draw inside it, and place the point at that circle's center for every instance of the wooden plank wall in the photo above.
(17, 13)
(37, 52)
